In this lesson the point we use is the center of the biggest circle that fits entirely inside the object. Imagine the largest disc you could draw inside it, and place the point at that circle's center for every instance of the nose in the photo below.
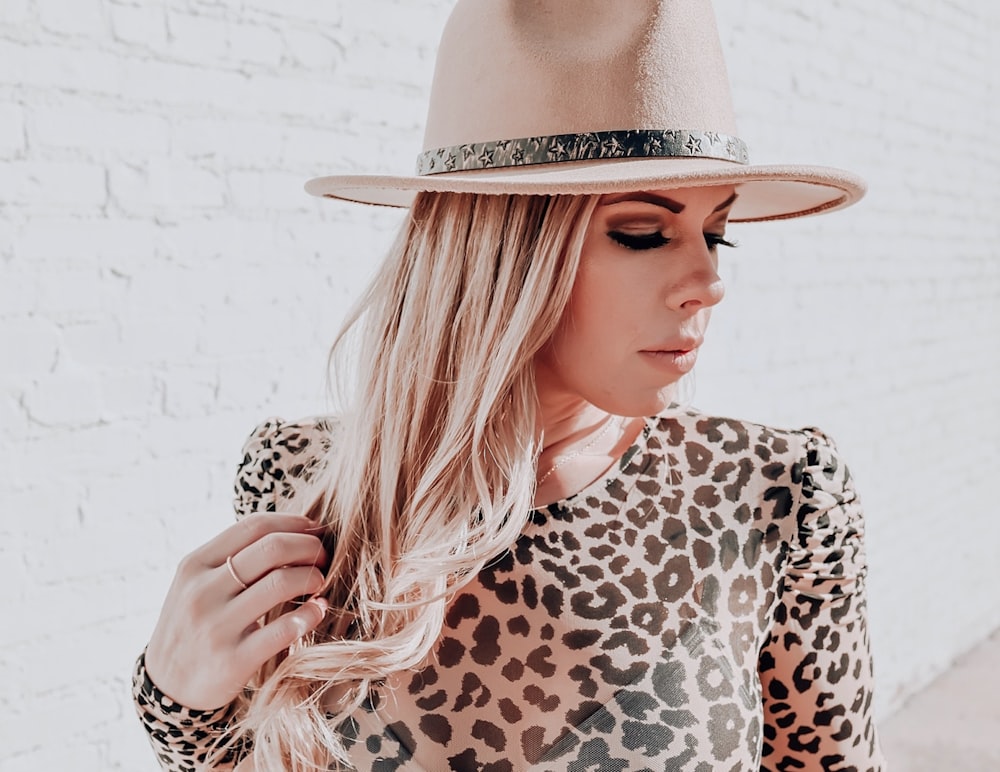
(697, 284)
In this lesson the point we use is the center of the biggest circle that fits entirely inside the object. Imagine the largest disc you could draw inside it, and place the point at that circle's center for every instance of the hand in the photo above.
(208, 641)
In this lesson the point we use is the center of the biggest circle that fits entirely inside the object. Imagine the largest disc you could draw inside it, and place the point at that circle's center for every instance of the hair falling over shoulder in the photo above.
(432, 473)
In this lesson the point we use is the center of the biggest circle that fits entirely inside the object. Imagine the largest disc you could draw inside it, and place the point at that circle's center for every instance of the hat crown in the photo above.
(584, 97)
(525, 68)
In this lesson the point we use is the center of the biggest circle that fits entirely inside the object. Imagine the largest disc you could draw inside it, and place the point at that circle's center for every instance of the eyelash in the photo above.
(714, 241)
(656, 240)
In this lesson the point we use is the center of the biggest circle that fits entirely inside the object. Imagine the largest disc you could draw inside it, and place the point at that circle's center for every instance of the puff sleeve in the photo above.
(816, 667)
(280, 459)
(277, 461)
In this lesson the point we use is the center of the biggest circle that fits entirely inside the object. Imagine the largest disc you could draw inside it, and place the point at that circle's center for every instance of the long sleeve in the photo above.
(181, 737)
(816, 668)
(276, 460)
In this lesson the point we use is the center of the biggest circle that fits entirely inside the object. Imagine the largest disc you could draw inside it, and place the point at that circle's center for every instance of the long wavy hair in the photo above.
(432, 473)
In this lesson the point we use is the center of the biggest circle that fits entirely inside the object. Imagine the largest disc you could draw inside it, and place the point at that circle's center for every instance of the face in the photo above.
(641, 302)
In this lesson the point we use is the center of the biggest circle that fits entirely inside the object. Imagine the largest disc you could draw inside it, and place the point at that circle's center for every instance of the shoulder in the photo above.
(279, 460)
(791, 482)
(795, 469)
(724, 438)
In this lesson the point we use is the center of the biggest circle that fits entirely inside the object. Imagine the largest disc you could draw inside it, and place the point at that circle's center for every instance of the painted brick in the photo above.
(325, 14)
(63, 303)
(60, 547)
(165, 284)
(267, 190)
(68, 398)
(182, 86)
(72, 17)
(252, 144)
(63, 69)
(28, 346)
(78, 755)
(144, 25)
(14, 426)
(19, 287)
(11, 130)
(130, 394)
(44, 185)
(16, 14)
(197, 38)
(160, 183)
(173, 182)
(57, 237)
(313, 49)
(76, 124)
(256, 44)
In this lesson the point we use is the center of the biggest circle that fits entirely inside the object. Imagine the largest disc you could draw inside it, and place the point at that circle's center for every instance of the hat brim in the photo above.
(774, 192)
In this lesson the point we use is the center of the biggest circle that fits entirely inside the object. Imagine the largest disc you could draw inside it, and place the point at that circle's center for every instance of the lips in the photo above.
(673, 358)
(674, 346)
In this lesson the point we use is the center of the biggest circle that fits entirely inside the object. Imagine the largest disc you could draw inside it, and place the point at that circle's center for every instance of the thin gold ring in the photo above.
(232, 573)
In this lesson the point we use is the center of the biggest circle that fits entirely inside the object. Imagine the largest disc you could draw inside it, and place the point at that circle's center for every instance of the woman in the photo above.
(515, 551)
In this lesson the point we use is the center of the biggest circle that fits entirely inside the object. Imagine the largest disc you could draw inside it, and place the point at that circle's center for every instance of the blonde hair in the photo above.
(433, 470)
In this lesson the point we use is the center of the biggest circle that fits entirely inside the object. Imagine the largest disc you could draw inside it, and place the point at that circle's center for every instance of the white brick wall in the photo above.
(165, 284)
(881, 324)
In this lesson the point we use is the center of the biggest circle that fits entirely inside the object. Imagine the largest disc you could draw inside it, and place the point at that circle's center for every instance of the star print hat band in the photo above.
(590, 96)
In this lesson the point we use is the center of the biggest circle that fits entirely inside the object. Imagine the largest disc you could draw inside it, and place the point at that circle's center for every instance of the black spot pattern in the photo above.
(700, 609)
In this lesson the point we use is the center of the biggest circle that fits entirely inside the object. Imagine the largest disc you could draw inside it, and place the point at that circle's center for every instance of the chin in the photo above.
(639, 405)
(660, 405)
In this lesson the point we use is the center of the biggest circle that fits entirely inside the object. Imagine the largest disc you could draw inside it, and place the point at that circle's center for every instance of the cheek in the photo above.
(597, 315)
(619, 306)
(581, 340)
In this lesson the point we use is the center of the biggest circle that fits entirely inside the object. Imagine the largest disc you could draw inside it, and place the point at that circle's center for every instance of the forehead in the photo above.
(711, 198)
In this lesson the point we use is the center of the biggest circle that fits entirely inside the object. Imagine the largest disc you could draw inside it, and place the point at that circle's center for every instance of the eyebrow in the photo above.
(666, 203)
(727, 203)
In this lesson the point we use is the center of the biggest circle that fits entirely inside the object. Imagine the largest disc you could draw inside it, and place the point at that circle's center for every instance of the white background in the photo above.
(165, 284)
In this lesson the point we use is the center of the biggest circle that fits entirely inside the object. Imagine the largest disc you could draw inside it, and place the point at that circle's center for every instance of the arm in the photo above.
(181, 737)
(208, 642)
(816, 668)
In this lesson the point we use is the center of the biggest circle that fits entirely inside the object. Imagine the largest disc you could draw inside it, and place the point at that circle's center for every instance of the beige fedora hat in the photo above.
(590, 96)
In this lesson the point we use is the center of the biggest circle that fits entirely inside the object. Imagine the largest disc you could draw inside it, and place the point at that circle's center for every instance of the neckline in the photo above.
(613, 472)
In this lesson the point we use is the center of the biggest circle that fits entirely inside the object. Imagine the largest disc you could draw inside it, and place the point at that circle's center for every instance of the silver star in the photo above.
(558, 150)
(693, 144)
(613, 147)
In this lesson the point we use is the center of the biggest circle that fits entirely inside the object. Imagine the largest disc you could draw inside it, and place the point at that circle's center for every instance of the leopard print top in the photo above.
(701, 608)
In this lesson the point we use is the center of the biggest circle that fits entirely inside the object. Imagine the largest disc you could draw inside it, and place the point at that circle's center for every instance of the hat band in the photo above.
(596, 145)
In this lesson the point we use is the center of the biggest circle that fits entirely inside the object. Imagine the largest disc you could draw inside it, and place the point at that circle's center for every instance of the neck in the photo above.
(568, 422)
(564, 416)
(580, 443)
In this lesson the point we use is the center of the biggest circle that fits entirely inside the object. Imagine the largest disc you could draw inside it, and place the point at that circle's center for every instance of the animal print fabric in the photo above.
(700, 608)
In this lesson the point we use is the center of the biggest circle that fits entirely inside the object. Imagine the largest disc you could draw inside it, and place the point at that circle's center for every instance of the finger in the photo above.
(245, 532)
(275, 550)
(275, 588)
(278, 635)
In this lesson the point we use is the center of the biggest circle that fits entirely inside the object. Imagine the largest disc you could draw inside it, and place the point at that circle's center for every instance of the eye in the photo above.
(639, 241)
(715, 240)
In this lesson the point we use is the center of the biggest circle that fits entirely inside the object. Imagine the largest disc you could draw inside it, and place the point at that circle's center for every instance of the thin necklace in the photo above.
(566, 459)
